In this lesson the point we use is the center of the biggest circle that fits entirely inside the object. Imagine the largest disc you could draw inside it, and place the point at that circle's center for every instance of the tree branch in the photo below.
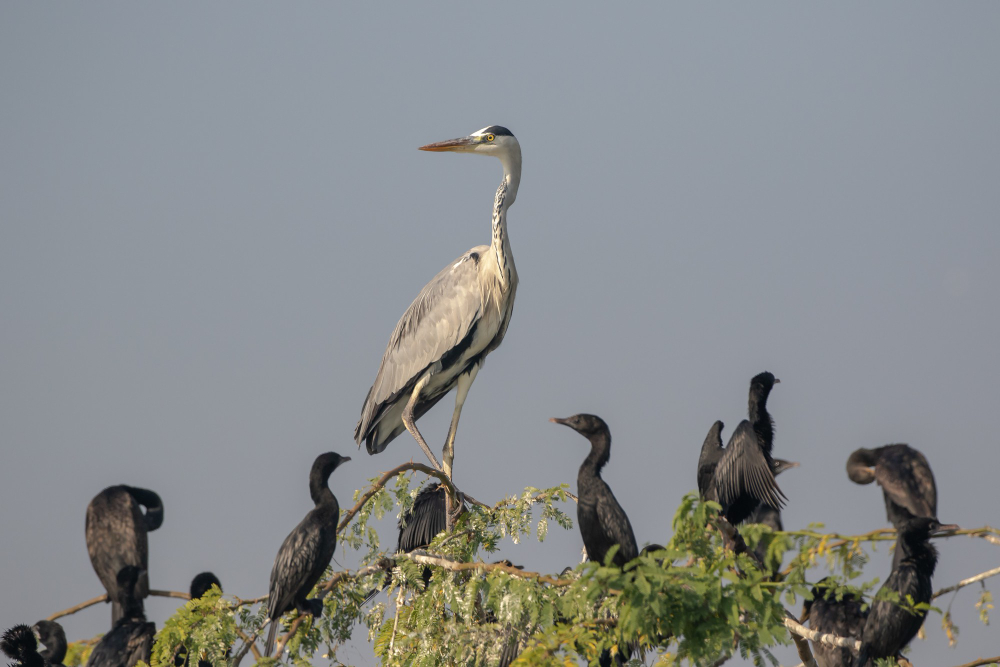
(965, 582)
(982, 661)
(831, 640)
(104, 598)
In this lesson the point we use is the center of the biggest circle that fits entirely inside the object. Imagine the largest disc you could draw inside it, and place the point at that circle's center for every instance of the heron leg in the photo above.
(411, 425)
(465, 381)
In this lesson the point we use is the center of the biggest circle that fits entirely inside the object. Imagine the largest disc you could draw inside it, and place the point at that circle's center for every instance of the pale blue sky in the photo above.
(211, 217)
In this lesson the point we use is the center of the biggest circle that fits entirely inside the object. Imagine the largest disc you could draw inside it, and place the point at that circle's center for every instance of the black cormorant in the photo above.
(201, 584)
(890, 627)
(905, 477)
(740, 477)
(306, 551)
(19, 643)
(131, 638)
(844, 618)
(116, 536)
(53, 637)
(603, 522)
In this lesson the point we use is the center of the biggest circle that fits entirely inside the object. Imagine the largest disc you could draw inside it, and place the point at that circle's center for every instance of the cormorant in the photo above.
(424, 521)
(201, 584)
(131, 638)
(603, 522)
(306, 551)
(890, 627)
(52, 636)
(740, 477)
(116, 536)
(18, 643)
(905, 477)
(845, 618)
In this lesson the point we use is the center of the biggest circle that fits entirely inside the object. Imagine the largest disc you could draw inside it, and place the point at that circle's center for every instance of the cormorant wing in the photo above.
(907, 480)
(426, 520)
(140, 644)
(743, 468)
(711, 452)
(439, 319)
(617, 526)
(296, 561)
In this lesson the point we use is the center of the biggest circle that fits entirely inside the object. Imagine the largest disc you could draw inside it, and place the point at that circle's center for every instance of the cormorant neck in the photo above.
(151, 501)
(763, 426)
(600, 453)
(318, 489)
(132, 609)
(859, 466)
(920, 551)
(55, 652)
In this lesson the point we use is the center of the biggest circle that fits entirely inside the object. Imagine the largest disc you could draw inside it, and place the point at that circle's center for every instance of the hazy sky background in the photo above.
(212, 216)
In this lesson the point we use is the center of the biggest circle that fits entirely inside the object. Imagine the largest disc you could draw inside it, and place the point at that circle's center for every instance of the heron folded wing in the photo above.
(438, 320)
(743, 469)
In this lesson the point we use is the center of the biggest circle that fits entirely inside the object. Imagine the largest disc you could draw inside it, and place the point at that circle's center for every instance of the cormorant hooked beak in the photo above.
(777, 381)
(945, 528)
(460, 145)
(557, 420)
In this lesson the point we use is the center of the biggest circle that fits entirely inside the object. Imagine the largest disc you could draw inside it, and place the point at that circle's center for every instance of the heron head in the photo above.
(493, 140)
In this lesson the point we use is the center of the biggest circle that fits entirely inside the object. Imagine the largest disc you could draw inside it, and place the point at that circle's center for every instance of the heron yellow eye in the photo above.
(489, 137)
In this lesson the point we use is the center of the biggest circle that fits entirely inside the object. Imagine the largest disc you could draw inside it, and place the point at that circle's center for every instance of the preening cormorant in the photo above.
(905, 477)
(889, 627)
(306, 551)
(740, 477)
(116, 536)
(19, 643)
(844, 618)
(131, 638)
(53, 637)
(603, 522)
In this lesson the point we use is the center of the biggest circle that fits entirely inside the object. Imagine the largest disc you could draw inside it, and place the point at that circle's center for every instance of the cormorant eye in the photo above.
(489, 137)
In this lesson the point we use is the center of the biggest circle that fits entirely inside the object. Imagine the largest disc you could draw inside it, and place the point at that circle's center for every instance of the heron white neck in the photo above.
(506, 194)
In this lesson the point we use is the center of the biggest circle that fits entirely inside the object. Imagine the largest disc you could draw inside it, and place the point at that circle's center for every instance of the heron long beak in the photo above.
(461, 145)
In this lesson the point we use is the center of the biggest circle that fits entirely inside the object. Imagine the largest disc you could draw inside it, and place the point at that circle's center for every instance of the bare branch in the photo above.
(104, 598)
(982, 661)
(965, 582)
(832, 640)
(458, 566)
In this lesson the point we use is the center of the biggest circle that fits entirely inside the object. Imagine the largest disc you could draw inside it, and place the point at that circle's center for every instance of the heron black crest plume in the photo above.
(457, 319)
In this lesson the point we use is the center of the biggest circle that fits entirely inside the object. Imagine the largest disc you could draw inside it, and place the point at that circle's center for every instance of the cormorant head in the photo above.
(781, 465)
(584, 424)
(493, 140)
(319, 475)
(52, 635)
(202, 583)
(860, 466)
(762, 382)
(919, 529)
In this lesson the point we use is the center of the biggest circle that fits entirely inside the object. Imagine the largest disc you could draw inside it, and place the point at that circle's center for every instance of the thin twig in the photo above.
(250, 642)
(965, 582)
(280, 648)
(104, 598)
(982, 661)
(457, 566)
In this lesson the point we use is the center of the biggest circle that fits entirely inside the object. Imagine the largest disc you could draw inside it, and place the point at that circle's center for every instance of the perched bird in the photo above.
(458, 318)
(131, 638)
(905, 477)
(417, 527)
(844, 618)
(603, 522)
(306, 551)
(116, 536)
(890, 627)
(768, 515)
(201, 584)
(53, 637)
(740, 477)
(906, 480)
(18, 643)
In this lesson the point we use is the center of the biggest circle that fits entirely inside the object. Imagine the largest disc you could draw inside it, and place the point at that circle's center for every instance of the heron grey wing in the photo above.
(292, 567)
(905, 476)
(439, 320)
(619, 528)
(743, 468)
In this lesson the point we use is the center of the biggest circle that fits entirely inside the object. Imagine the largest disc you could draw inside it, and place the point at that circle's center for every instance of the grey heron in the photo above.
(458, 318)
